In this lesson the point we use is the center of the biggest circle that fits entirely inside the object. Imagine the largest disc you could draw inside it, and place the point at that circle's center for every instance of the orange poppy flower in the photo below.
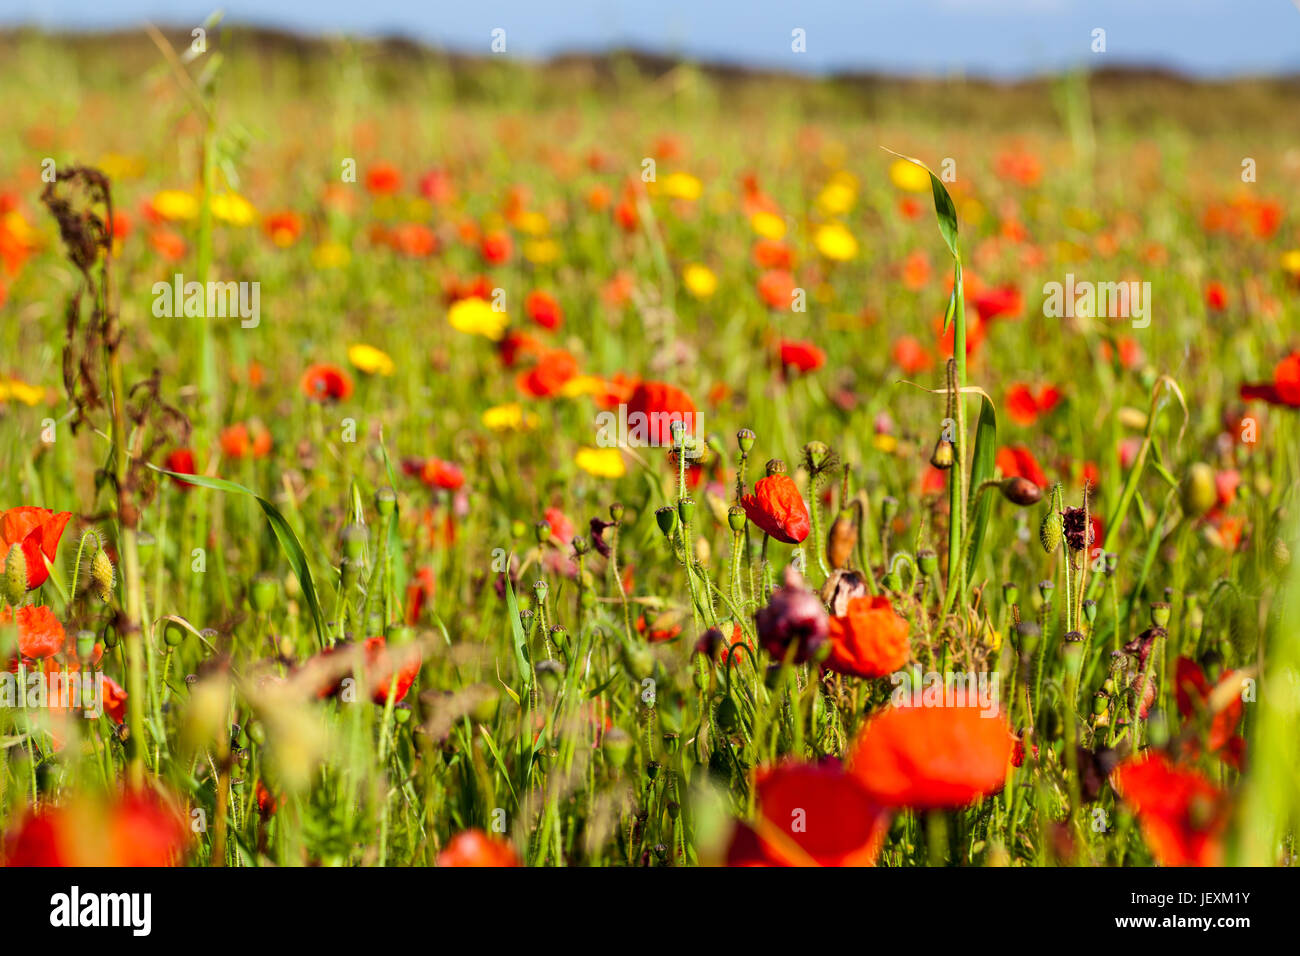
(1285, 387)
(554, 368)
(910, 355)
(325, 382)
(169, 245)
(773, 254)
(37, 531)
(932, 757)
(869, 640)
(283, 228)
(778, 509)
(39, 632)
(414, 240)
(1193, 692)
(242, 441)
(436, 186)
(496, 248)
(776, 288)
(810, 815)
(435, 473)
(1182, 815)
(476, 848)
(1216, 296)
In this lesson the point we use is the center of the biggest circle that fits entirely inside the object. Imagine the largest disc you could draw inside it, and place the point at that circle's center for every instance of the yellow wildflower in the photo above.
(908, 176)
(477, 317)
(510, 417)
(835, 242)
(601, 462)
(700, 280)
(370, 360)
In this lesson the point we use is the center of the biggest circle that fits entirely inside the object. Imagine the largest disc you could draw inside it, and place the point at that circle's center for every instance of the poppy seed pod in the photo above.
(817, 454)
(1045, 589)
(942, 457)
(736, 518)
(1199, 491)
(581, 545)
(745, 439)
(543, 530)
(842, 537)
(1051, 530)
(1090, 610)
(775, 466)
(928, 561)
(616, 512)
(1160, 612)
(262, 594)
(1020, 491)
(667, 518)
(540, 589)
(1010, 592)
(385, 501)
(686, 509)
(102, 576)
(616, 747)
(354, 542)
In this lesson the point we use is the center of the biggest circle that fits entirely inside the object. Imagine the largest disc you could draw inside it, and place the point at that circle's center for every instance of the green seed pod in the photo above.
(540, 590)
(1090, 610)
(1199, 491)
(1010, 592)
(256, 732)
(355, 538)
(350, 572)
(616, 747)
(262, 594)
(385, 501)
(402, 712)
(616, 512)
(1100, 703)
(775, 466)
(1045, 589)
(110, 636)
(1160, 612)
(745, 439)
(581, 545)
(85, 644)
(928, 561)
(667, 518)
(686, 509)
(736, 518)
(15, 583)
(1051, 530)
(543, 531)
(173, 634)
(560, 636)
(102, 576)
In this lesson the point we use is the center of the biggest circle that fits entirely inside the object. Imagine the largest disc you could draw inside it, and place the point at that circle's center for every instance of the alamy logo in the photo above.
(646, 429)
(1113, 300)
(72, 909)
(58, 690)
(950, 689)
(213, 300)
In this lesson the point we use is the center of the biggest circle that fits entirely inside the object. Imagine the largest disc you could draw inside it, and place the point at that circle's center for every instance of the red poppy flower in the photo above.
(916, 271)
(513, 344)
(383, 663)
(661, 404)
(1182, 815)
(138, 829)
(810, 815)
(169, 245)
(869, 640)
(1024, 404)
(657, 635)
(554, 368)
(803, 356)
(496, 248)
(39, 632)
(181, 461)
(414, 240)
(114, 700)
(476, 848)
(326, 382)
(778, 509)
(383, 179)
(1130, 353)
(435, 473)
(37, 531)
(1001, 301)
(1194, 694)
(1018, 461)
(543, 309)
(418, 594)
(776, 255)
(436, 186)
(1285, 387)
(1216, 296)
(932, 757)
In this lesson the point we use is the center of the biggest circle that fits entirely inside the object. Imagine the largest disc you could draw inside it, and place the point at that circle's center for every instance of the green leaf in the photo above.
(982, 468)
(284, 534)
(520, 639)
(944, 209)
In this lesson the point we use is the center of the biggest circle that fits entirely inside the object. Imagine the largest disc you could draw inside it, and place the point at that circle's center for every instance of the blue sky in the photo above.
(1002, 38)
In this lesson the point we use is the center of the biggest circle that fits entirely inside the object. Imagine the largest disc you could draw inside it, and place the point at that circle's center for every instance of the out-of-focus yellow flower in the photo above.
(683, 186)
(175, 205)
(768, 225)
(700, 280)
(1291, 261)
(233, 208)
(835, 242)
(885, 443)
(995, 640)
(601, 462)
(971, 211)
(20, 391)
(511, 417)
(331, 255)
(370, 360)
(476, 317)
(541, 251)
(582, 385)
(838, 196)
(908, 176)
(118, 167)
(532, 223)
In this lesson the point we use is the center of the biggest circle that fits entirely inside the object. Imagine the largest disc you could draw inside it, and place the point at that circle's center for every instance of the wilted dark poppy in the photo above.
(794, 617)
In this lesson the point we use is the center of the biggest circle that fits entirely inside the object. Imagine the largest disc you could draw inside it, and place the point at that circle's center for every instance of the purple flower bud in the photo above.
(795, 615)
